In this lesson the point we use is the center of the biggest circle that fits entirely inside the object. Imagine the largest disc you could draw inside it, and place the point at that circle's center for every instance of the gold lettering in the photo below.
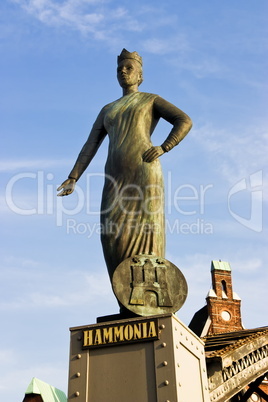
(98, 338)
(137, 331)
(144, 327)
(128, 332)
(152, 330)
(88, 341)
(108, 335)
(121, 333)
(118, 333)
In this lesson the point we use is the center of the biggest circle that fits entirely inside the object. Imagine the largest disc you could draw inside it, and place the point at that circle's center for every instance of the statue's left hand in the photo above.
(152, 154)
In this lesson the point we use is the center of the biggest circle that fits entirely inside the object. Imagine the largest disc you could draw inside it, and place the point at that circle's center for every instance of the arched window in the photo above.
(224, 287)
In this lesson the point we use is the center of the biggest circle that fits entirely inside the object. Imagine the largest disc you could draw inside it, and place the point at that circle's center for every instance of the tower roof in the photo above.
(47, 392)
(220, 265)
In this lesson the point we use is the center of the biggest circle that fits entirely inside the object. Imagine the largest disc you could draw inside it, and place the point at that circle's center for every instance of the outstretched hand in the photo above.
(67, 187)
(152, 154)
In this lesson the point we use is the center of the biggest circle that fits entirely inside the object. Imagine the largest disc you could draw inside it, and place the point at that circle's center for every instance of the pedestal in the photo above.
(140, 359)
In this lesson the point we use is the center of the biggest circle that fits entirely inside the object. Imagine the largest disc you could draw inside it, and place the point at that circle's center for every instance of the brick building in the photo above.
(237, 358)
(222, 313)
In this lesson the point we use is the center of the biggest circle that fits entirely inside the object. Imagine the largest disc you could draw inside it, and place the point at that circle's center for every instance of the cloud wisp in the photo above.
(52, 291)
(243, 154)
(105, 22)
(86, 16)
(11, 165)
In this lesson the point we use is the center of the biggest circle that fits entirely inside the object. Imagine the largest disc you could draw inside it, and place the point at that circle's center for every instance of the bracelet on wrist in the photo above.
(165, 147)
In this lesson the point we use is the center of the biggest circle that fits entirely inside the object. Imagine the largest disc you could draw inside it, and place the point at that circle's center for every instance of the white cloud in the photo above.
(80, 15)
(107, 22)
(200, 65)
(162, 46)
(53, 12)
(248, 265)
(86, 16)
(245, 270)
(92, 288)
(10, 165)
(23, 262)
(8, 358)
(22, 376)
(237, 154)
(45, 288)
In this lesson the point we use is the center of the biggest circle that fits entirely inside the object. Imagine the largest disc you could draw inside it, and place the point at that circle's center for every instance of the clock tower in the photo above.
(223, 310)
(224, 306)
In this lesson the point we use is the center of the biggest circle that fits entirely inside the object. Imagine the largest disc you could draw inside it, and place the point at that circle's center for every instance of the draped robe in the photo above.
(132, 208)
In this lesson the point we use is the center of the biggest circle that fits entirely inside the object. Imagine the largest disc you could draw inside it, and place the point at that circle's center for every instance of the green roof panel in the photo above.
(47, 392)
(221, 265)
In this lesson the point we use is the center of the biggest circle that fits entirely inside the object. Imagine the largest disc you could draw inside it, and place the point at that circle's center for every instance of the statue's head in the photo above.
(133, 59)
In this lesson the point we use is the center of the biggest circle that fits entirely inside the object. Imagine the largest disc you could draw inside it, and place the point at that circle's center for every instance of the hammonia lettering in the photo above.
(109, 335)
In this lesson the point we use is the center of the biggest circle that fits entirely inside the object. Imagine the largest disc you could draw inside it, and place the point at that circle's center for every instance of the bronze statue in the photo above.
(132, 208)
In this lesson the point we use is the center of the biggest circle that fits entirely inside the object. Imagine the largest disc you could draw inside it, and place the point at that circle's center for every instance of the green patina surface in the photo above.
(222, 265)
(47, 392)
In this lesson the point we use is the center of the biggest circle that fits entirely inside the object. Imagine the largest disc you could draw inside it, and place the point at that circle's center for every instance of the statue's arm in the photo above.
(180, 121)
(86, 154)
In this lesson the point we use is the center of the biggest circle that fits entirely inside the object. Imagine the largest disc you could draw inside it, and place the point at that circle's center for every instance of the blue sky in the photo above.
(58, 68)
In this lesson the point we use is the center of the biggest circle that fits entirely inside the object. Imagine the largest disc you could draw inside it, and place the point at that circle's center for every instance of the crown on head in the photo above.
(127, 55)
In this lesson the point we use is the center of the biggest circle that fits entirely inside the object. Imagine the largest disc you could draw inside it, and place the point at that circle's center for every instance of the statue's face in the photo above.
(128, 73)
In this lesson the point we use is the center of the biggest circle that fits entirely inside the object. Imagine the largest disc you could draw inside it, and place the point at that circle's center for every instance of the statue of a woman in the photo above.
(132, 208)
